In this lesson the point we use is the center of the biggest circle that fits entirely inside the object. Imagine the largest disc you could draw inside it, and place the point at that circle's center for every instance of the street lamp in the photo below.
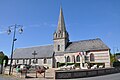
(34, 53)
(13, 27)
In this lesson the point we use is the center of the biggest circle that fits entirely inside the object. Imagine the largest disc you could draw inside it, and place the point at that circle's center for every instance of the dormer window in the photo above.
(59, 33)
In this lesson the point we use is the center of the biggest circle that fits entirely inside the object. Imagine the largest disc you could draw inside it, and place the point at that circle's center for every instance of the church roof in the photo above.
(42, 51)
(86, 45)
(47, 51)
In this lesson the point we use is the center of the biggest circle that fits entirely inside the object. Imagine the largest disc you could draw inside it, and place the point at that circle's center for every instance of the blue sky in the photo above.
(85, 19)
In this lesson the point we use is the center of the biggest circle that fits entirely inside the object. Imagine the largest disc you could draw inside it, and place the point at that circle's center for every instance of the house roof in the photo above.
(86, 45)
(42, 51)
(47, 51)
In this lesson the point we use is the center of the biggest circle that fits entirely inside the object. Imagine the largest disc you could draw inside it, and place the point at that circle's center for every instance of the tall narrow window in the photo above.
(23, 61)
(58, 47)
(78, 58)
(68, 59)
(17, 60)
(44, 60)
(36, 61)
(92, 57)
(29, 61)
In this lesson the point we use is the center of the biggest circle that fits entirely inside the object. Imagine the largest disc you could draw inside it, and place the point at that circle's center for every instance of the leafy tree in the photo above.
(112, 59)
(3, 58)
(6, 60)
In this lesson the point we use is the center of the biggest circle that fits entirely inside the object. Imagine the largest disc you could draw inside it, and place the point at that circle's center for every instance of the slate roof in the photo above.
(47, 51)
(42, 51)
(86, 45)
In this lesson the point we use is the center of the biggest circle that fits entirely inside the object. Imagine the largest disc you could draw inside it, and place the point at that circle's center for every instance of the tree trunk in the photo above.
(1, 68)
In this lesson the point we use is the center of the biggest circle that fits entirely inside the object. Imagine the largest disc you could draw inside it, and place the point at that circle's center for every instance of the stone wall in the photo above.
(84, 73)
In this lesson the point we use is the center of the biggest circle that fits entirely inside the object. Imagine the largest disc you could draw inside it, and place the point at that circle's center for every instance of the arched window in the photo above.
(36, 61)
(58, 47)
(23, 61)
(92, 57)
(68, 59)
(44, 60)
(55, 35)
(17, 60)
(29, 61)
(78, 58)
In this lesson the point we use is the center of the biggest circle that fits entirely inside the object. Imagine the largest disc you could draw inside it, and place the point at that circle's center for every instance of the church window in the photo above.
(68, 59)
(17, 61)
(36, 60)
(86, 58)
(78, 58)
(92, 57)
(59, 33)
(23, 61)
(56, 35)
(58, 47)
(29, 61)
(44, 60)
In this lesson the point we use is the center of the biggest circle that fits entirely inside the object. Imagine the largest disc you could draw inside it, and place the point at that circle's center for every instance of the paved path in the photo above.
(6, 77)
(115, 76)
(104, 77)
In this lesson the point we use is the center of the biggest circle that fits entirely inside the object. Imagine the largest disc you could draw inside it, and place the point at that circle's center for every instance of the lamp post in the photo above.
(13, 27)
(34, 53)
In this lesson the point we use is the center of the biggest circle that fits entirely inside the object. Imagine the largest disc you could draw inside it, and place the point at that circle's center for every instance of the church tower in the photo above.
(60, 36)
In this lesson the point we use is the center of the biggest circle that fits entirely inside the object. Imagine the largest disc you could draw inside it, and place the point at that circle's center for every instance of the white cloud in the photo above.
(2, 32)
(45, 24)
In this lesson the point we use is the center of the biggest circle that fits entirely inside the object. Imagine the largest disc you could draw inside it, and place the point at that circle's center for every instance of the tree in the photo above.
(3, 58)
(6, 60)
(1, 61)
(112, 58)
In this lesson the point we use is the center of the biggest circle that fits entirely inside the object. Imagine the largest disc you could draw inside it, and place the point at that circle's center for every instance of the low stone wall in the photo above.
(67, 74)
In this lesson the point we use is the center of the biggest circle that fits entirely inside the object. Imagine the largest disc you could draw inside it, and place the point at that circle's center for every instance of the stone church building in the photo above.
(92, 51)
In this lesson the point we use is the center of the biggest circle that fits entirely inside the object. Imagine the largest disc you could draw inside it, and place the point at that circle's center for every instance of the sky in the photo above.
(84, 19)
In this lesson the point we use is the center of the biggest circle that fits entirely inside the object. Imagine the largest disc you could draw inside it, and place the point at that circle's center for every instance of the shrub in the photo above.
(116, 64)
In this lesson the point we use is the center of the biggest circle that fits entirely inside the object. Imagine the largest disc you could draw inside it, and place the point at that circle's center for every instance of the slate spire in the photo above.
(61, 22)
(61, 29)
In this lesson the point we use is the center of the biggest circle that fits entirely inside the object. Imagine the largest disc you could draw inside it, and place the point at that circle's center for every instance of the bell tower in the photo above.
(60, 36)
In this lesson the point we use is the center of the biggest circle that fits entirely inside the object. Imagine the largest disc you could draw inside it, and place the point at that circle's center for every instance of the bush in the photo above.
(70, 64)
(116, 64)
(77, 64)
(62, 64)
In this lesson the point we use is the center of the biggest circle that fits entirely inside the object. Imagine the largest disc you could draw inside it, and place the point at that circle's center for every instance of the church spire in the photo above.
(61, 23)
(61, 29)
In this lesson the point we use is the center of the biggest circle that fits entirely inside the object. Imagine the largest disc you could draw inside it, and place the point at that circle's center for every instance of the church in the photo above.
(62, 51)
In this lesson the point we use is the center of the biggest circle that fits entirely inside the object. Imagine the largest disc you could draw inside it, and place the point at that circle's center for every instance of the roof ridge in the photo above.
(86, 40)
(35, 46)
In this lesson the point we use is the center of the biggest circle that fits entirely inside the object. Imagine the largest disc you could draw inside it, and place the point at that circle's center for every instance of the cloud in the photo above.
(45, 24)
(2, 32)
